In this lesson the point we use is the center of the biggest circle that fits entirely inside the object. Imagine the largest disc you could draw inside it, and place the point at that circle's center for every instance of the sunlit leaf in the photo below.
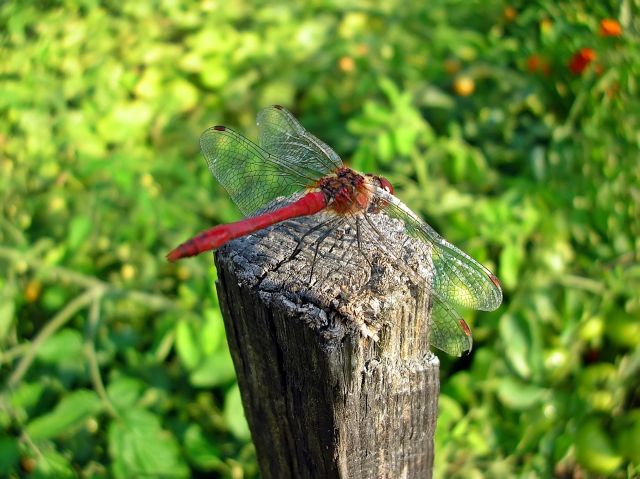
(187, 345)
(139, 446)
(215, 369)
(519, 395)
(65, 345)
(594, 449)
(69, 413)
(234, 414)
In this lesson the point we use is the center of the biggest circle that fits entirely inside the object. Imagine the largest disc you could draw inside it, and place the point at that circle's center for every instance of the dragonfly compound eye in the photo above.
(385, 185)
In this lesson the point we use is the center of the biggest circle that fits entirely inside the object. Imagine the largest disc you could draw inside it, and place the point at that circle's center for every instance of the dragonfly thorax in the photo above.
(346, 191)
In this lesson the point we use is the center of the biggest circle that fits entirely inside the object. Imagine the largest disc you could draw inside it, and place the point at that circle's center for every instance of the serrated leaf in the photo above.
(71, 412)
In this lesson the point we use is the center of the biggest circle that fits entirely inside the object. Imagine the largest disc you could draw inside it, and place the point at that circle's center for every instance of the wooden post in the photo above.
(323, 400)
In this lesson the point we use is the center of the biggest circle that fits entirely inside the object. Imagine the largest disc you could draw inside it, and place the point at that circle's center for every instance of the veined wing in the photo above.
(251, 176)
(283, 136)
(449, 332)
(459, 279)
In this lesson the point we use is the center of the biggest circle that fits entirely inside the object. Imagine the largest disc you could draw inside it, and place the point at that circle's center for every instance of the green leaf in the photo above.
(628, 437)
(519, 395)
(594, 450)
(212, 336)
(9, 454)
(511, 258)
(184, 95)
(7, 314)
(124, 392)
(53, 465)
(385, 148)
(517, 343)
(139, 447)
(234, 414)
(201, 451)
(79, 230)
(65, 345)
(26, 395)
(187, 345)
(215, 370)
(622, 328)
(449, 412)
(70, 413)
(460, 387)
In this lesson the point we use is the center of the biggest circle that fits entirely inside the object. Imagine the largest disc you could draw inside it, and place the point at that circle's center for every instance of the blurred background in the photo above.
(511, 127)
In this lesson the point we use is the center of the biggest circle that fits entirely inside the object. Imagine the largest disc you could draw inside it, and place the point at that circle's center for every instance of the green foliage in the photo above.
(114, 363)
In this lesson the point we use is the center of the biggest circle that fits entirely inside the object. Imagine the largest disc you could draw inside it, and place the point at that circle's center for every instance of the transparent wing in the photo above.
(251, 176)
(459, 279)
(282, 136)
(449, 332)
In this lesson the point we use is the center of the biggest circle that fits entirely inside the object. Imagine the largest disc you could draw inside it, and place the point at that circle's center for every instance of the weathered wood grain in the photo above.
(324, 399)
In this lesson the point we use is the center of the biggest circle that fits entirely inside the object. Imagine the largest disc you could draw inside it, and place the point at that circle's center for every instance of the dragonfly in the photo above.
(291, 173)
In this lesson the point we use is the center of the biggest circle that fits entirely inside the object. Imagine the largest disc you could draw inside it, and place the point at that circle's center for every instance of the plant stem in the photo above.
(58, 273)
(52, 326)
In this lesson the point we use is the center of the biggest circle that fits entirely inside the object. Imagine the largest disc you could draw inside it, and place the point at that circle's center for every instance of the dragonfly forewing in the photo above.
(282, 136)
(252, 177)
(459, 279)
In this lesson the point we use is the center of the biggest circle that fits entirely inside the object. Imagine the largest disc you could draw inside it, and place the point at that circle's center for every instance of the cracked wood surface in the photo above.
(329, 338)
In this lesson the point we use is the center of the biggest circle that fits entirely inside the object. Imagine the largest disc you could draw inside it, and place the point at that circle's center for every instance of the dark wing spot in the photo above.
(220, 128)
(495, 280)
(279, 107)
(465, 327)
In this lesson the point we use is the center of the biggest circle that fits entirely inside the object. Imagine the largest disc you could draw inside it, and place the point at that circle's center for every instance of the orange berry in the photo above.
(610, 28)
(346, 64)
(510, 13)
(464, 86)
(32, 291)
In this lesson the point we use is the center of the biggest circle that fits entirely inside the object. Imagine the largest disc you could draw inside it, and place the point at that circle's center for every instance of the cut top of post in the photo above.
(343, 277)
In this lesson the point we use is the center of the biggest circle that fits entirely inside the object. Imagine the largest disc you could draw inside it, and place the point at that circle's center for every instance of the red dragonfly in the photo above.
(293, 164)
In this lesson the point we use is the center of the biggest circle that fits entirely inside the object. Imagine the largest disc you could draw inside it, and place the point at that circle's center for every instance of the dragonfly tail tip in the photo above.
(174, 255)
